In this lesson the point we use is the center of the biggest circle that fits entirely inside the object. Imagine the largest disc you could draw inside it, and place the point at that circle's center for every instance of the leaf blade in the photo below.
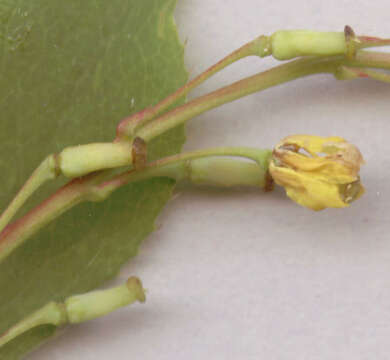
(71, 75)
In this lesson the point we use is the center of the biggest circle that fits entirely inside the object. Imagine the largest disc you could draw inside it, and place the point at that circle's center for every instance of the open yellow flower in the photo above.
(318, 172)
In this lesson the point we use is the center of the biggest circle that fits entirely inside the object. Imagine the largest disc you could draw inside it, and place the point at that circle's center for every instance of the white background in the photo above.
(247, 275)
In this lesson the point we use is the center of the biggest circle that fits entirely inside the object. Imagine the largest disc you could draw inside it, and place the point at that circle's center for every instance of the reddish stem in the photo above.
(82, 189)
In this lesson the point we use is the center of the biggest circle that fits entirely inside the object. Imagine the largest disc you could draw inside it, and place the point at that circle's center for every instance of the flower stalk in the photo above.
(78, 161)
(199, 167)
(79, 308)
(313, 181)
(47, 170)
(127, 128)
(87, 161)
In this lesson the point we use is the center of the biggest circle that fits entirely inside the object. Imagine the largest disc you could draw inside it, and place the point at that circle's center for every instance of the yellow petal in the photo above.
(317, 172)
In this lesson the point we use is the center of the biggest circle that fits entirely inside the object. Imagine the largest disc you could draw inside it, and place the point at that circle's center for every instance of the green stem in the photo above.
(84, 159)
(81, 160)
(14, 234)
(62, 200)
(128, 127)
(283, 45)
(202, 168)
(349, 73)
(47, 170)
(79, 308)
(376, 75)
(275, 76)
(289, 44)
(371, 41)
(76, 161)
(93, 188)
(72, 162)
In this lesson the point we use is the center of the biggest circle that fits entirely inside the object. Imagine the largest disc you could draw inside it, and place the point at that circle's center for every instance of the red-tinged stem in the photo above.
(275, 76)
(82, 160)
(348, 73)
(370, 59)
(62, 200)
(371, 41)
(78, 190)
(175, 167)
(129, 125)
(182, 166)
(259, 46)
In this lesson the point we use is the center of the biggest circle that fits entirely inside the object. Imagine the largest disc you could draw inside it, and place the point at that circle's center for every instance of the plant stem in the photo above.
(348, 73)
(295, 43)
(96, 188)
(77, 190)
(128, 127)
(81, 160)
(47, 170)
(202, 168)
(275, 76)
(79, 308)
(76, 161)
(84, 159)
(290, 44)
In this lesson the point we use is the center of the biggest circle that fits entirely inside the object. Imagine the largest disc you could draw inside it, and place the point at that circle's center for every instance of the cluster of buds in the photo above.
(318, 172)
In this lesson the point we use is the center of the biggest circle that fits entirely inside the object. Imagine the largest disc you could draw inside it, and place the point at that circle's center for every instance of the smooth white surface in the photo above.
(247, 275)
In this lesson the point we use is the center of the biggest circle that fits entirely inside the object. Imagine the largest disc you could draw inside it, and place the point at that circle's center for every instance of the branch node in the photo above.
(352, 42)
(139, 153)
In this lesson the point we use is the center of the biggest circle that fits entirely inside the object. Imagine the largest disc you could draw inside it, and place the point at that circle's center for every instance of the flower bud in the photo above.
(318, 172)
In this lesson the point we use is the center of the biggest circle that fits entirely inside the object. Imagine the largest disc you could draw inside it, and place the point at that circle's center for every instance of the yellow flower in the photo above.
(318, 172)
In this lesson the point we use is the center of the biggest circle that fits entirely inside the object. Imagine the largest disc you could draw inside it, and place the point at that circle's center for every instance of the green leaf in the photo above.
(71, 70)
